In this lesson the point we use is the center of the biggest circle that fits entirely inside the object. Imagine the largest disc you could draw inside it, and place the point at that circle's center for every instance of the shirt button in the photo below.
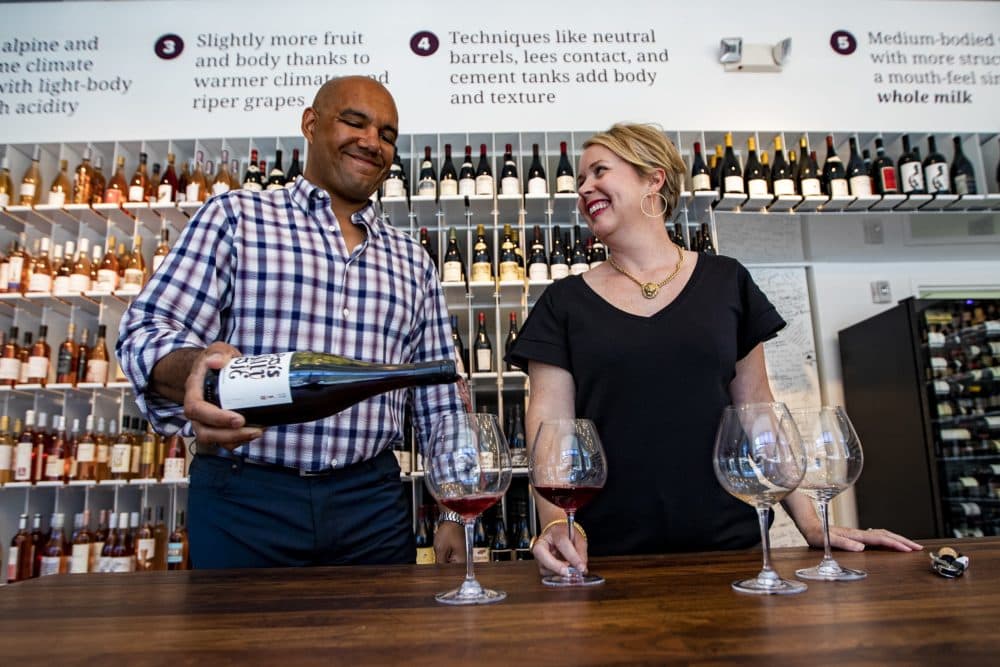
(333, 463)
(332, 229)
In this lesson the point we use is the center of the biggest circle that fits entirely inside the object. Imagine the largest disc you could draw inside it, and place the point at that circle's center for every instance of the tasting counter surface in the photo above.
(652, 610)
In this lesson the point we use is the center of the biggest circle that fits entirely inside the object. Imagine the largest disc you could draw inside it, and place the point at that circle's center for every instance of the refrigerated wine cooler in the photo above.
(922, 386)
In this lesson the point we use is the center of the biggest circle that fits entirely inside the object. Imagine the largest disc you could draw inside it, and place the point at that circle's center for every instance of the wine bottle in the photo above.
(461, 354)
(579, 263)
(859, 182)
(730, 174)
(484, 175)
(422, 539)
(510, 184)
(393, 186)
(537, 185)
(6, 185)
(701, 179)
(252, 179)
(480, 543)
(515, 238)
(782, 178)
(66, 358)
(56, 454)
(167, 189)
(707, 247)
(83, 179)
(54, 555)
(884, 171)
(140, 180)
(598, 253)
(276, 179)
(808, 177)
(834, 174)
(223, 181)
(31, 182)
(152, 184)
(98, 182)
(98, 361)
(40, 280)
(20, 554)
(38, 358)
(85, 452)
(427, 183)
(466, 175)
(765, 168)
(482, 261)
(162, 249)
(511, 337)
(294, 387)
(6, 451)
(558, 265)
(425, 243)
(679, 236)
(134, 276)
(483, 347)
(500, 550)
(911, 175)
(449, 176)
(935, 169)
(717, 167)
(295, 169)
(61, 190)
(453, 269)
(755, 179)
(538, 265)
(963, 177)
(177, 545)
(117, 190)
(10, 365)
(508, 258)
(565, 181)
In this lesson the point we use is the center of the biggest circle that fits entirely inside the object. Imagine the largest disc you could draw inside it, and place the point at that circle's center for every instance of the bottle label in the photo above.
(449, 186)
(57, 198)
(701, 182)
(810, 186)
(122, 564)
(484, 361)
(103, 452)
(991, 423)
(427, 188)
(22, 462)
(537, 186)
(452, 272)
(157, 260)
(955, 434)
(962, 185)
(121, 458)
(425, 556)
(757, 187)
(538, 271)
(164, 192)
(16, 266)
(393, 187)
(911, 176)
(255, 381)
(578, 268)
(55, 468)
(79, 282)
(97, 371)
(734, 184)
(95, 556)
(50, 565)
(175, 553)
(107, 280)
(480, 554)
(60, 284)
(518, 457)
(10, 369)
(193, 191)
(145, 548)
(405, 463)
(134, 460)
(484, 184)
(218, 188)
(12, 564)
(861, 186)
(40, 282)
(27, 190)
(510, 185)
(173, 468)
(6, 457)
(136, 193)
(80, 560)
(936, 177)
(104, 564)
(968, 482)
(4, 273)
(565, 184)
(38, 367)
(508, 271)
(4, 199)
(466, 186)
(941, 388)
(559, 271)
(838, 187)
(133, 279)
(482, 272)
(112, 196)
(888, 176)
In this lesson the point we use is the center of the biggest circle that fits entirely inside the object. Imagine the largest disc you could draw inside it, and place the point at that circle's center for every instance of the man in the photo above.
(310, 267)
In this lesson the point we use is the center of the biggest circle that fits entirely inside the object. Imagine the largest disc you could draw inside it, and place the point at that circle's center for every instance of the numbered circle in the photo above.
(843, 42)
(424, 43)
(168, 46)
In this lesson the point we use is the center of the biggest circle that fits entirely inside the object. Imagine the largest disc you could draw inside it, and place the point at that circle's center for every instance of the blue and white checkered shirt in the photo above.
(269, 272)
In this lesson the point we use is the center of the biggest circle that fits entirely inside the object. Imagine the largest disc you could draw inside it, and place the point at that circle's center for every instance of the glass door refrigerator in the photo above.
(922, 386)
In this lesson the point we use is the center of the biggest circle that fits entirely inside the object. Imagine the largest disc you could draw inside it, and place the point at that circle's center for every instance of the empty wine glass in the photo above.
(468, 470)
(833, 463)
(567, 467)
(758, 458)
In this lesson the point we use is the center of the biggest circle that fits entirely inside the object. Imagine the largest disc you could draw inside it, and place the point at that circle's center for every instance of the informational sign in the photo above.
(99, 71)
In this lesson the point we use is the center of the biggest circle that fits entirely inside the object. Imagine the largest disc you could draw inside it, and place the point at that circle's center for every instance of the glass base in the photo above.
(470, 592)
(824, 573)
(757, 586)
(575, 579)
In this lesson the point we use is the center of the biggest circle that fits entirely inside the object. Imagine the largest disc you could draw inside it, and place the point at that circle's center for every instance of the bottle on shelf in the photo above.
(510, 183)
(98, 360)
(24, 449)
(107, 268)
(20, 554)
(6, 451)
(393, 185)
(97, 541)
(121, 452)
(64, 267)
(139, 182)
(935, 169)
(427, 182)
(39, 358)
(253, 180)
(765, 168)
(38, 541)
(145, 543)
(782, 176)
(483, 347)
(148, 465)
(428, 246)
(162, 249)
(508, 265)
(558, 263)
(522, 541)
(83, 180)
(834, 174)
(448, 182)
(86, 451)
(166, 189)
(858, 178)
(538, 264)
(197, 185)
(276, 178)
(295, 169)
(306, 386)
(23, 353)
(809, 176)
(40, 280)
(565, 181)
(701, 179)
(177, 545)
(55, 452)
(54, 553)
(716, 167)
(453, 268)
(482, 260)
(466, 175)
(578, 262)
(484, 175)
(517, 438)
(461, 354)
(135, 267)
(102, 446)
(423, 539)
(123, 556)
(160, 535)
(173, 458)
(117, 190)
(61, 190)
(153, 184)
(80, 544)
(223, 181)
(678, 236)
(105, 562)
(911, 175)
(536, 183)
(6, 185)
(31, 182)
(883, 171)
(962, 175)
(480, 542)
(730, 173)
(707, 246)
(66, 359)
(511, 337)
(754, 173)
(98, 182)
(500, 550)
(598, 253)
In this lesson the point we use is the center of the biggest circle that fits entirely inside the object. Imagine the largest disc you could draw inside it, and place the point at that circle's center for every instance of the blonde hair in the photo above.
(646, 148)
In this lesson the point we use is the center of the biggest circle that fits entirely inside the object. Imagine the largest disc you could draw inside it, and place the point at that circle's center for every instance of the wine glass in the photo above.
(833, 463)
(468, 470)
(567, 467)
(759, 459)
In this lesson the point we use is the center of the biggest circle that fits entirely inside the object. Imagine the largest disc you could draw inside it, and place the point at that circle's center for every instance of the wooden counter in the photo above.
(652, 610)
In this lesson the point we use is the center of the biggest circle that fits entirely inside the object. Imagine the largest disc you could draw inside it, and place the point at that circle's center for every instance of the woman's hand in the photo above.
(856, 539)
(556, 554)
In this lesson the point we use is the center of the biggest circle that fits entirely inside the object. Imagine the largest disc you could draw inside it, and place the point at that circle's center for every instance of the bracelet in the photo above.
(576, 526)
(454, 517)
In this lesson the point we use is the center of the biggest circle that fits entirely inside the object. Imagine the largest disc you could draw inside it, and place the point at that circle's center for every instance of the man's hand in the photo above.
(449, 543)
(211, 423)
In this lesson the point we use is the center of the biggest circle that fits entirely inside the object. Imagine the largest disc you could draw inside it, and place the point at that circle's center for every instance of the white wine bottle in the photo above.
(294, 387)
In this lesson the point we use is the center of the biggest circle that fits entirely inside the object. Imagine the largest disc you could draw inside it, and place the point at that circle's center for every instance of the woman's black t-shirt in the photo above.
(655, 387)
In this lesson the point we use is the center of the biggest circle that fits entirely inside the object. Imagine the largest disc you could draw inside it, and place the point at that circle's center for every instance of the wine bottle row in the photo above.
(100, 451)
(119, 543)
(35, 363)
(493, 541)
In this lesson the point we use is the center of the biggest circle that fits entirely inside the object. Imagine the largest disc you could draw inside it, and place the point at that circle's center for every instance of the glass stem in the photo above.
(470, 525)
(766, 572)
(823, 507)
(570, 518)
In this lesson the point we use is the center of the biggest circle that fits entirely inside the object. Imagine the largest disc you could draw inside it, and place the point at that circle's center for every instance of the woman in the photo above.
(652, 345)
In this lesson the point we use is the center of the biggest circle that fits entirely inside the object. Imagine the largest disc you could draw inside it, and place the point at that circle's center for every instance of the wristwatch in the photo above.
(450, 516)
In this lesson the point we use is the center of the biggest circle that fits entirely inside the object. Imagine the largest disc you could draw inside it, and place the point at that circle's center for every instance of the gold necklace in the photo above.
(651, 289)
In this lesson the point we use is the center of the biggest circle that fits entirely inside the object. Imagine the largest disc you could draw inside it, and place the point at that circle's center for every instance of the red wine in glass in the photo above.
(470, 506)
(569, 498)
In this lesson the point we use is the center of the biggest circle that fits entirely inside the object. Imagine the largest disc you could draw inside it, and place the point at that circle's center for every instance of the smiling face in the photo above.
(610, 190)
(351, 129)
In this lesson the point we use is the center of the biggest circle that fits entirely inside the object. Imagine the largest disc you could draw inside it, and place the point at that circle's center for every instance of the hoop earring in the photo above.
(642, 204)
